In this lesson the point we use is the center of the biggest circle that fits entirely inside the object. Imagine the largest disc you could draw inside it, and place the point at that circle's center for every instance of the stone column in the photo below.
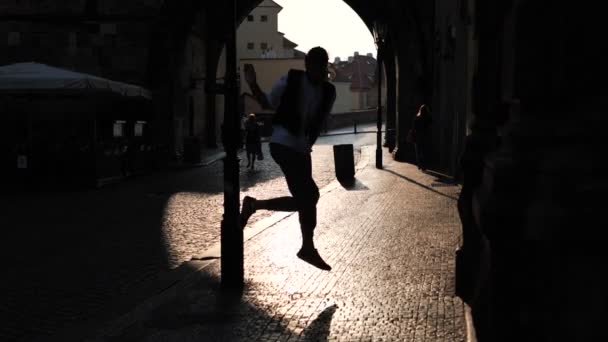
(212, 57)
(160, 70)
(391, 97)
(541, 203)
(473, 258)
(409, 97)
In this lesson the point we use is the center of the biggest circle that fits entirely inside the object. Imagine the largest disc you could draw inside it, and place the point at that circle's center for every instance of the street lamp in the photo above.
(379, 31)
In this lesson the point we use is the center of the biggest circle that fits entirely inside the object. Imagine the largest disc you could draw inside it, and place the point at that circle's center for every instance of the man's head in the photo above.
(316, 64)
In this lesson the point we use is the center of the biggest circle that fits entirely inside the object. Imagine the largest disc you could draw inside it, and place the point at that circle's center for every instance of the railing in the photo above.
(337, 123)
(340, 123)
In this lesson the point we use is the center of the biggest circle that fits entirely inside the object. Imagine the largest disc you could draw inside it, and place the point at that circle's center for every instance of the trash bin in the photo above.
(192, 150)
(344, 163)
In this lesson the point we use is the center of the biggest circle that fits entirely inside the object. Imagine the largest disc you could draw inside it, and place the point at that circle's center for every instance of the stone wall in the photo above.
(115, 43)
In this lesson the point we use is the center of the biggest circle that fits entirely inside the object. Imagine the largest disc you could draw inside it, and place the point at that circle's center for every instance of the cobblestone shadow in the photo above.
(319, 329)
(199, 308)
(70, 254)
(427, 187)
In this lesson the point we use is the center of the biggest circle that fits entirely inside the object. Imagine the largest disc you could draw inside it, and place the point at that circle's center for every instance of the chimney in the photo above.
(350, 59)
(356, 53)
(337, 60)
(369, 54)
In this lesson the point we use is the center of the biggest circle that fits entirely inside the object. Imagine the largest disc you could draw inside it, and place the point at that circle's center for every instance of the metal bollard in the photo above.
(355, 125)
(344, 163)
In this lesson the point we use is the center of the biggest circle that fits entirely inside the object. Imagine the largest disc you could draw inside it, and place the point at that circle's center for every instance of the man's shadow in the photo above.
(220, 314)
(419, 184)
(318, 330)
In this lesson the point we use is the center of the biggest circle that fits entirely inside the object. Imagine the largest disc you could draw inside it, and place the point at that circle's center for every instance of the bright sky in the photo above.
(331, 24)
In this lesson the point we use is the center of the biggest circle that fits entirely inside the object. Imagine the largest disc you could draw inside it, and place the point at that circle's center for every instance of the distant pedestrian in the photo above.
(253, 142)
(420, 131)
(242, 132)
(303, 100)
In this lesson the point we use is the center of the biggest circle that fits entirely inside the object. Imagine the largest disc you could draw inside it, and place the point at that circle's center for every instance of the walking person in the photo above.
(302, 101)
(253, 140)
(420, 125)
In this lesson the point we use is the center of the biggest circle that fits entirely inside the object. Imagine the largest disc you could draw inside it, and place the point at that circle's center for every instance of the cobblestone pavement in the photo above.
(70, 254)
(391, 240)
(187, 211)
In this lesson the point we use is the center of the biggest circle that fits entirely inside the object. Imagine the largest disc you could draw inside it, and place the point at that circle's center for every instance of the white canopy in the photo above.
(36, 76)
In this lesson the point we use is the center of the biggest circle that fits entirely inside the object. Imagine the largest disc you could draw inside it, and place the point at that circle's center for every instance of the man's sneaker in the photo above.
(247, 210)
(311, 256)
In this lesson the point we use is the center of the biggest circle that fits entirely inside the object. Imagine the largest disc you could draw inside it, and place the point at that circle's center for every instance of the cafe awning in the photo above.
(31, 76)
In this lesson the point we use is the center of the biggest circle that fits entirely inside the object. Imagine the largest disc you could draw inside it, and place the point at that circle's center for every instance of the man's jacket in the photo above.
(286, 114)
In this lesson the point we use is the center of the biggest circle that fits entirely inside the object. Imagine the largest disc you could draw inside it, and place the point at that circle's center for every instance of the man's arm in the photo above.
(260, 96)
(251, 79)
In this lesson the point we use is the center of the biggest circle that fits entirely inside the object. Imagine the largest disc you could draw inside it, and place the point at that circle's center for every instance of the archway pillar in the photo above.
(212, 56)
(389, 62)
(409, 97)
(538, 202)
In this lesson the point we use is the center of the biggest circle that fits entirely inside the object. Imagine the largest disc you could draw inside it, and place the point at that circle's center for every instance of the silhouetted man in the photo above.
(302, 100)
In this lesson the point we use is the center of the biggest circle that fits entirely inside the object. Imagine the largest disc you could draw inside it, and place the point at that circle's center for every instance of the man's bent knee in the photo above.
(315, 196)
(308, 197)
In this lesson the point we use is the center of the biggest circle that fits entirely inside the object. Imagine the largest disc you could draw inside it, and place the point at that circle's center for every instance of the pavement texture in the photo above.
(139, 260)
(74, 258)
(391, 239)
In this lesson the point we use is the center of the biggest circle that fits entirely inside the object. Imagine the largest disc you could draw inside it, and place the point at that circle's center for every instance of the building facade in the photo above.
(258, 35)
(356, 83)
(260, 43)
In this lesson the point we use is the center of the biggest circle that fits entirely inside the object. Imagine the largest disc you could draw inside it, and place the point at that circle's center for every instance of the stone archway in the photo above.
(167, 67)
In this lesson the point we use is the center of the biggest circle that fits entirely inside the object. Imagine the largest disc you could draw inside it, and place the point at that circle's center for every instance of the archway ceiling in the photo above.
(403, 17)
(368, 10)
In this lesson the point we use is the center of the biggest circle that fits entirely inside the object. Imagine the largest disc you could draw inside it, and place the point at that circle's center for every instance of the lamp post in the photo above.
(379, 35)
(231, 232)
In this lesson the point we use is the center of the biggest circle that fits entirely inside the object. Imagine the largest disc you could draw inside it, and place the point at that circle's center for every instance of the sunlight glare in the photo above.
(332, 24)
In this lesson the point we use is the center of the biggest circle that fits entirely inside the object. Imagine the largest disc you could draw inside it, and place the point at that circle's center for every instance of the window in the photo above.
(109, 40)
(250, 17)
(21, 162)
(264, 46)
(118, 130)
(107, 28)
(93, 28)
(250, 46)
(264, 18)
(105, 59)
(138, 130)
(35, 39)
(82, 39)
(14, 38)
(72, 40)
(90, 7)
